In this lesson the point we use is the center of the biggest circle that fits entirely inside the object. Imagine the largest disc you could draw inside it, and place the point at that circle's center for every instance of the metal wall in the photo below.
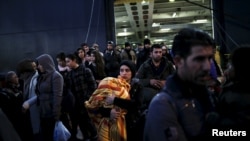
(29, 28)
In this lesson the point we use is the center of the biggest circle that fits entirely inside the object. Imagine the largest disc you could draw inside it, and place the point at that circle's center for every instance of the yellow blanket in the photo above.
(109, 130)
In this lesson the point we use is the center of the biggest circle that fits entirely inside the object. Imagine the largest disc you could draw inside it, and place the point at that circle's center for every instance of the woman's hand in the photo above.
(110, 99)
(114, 114)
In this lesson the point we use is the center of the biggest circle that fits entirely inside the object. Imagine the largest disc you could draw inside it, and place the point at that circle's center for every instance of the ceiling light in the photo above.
(124, 33)
(155, 24)
(144, 2)
(171, 0)
(200, 21)
(145, 36)
(174, 14)
(159, 40)
(165, 29)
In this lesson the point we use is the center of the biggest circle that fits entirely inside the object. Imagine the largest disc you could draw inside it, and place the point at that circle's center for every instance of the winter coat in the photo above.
(33, 109)
(178, 112)
(49, 88)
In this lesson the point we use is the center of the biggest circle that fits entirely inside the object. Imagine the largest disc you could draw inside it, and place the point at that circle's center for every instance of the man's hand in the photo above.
(26, 105)
(157, 83)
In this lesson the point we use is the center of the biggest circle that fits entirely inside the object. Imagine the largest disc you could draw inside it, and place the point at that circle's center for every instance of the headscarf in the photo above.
(131, 66)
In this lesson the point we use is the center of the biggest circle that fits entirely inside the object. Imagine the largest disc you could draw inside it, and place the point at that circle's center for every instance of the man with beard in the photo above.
(143, 54)
(128, 53)
(153, 73)
(179, 112)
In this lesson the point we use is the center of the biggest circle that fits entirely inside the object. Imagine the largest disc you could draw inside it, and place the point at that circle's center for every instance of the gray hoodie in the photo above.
(49, 88)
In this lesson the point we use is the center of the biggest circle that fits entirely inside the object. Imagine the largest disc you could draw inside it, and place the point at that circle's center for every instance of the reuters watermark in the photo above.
(228, 133)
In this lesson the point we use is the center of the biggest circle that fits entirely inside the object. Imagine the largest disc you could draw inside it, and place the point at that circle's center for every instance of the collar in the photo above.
(178, 88)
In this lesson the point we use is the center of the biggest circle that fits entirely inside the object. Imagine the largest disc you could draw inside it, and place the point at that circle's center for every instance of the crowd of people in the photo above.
(131, 94)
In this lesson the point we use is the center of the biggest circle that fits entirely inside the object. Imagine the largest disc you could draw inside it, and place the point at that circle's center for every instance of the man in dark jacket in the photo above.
(178, 112)
(153, 73)
(143, 54)
(112, 59)
(82, 84)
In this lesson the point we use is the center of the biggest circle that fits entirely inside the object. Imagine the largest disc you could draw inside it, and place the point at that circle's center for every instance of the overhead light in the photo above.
(145, 36)
(200, 21)
(171, 0)
(165, 29)
(124, 33)
(144, 2)
(174, 14)
(155, 24)
(159, 40)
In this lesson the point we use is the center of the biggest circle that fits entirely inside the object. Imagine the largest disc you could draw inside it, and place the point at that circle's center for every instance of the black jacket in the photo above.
(178, 112)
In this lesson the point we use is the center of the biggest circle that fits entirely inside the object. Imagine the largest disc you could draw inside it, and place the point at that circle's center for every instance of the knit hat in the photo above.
(146, 41)
(110, 42)
(127, 44)
(131, 66)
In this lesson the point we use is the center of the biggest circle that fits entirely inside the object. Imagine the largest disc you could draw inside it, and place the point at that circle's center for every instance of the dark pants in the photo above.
(66, 119)
(135, 133)
(47, 128)
(81, 118)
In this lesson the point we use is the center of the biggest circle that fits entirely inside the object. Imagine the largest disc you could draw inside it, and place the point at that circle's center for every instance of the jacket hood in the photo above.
(47, 62)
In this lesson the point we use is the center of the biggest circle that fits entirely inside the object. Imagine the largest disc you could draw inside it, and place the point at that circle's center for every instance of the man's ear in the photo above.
(151, 53)
(177, 60)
